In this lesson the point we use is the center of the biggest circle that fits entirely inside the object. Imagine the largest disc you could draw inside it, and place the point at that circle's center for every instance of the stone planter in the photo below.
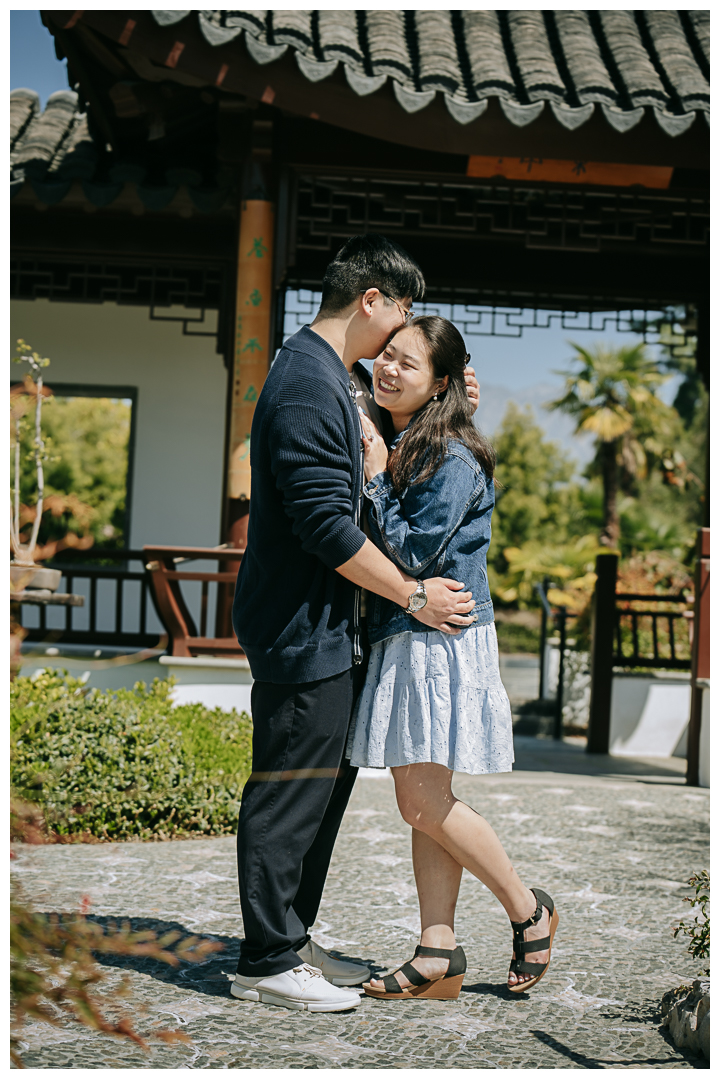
(39, 577)
(686, 1016)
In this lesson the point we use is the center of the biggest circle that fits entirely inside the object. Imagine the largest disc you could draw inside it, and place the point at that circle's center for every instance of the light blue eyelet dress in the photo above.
(430, 696)
(434, 697)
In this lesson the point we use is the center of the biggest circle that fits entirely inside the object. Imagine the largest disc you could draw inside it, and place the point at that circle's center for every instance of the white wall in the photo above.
(649, 714)
(180, 422)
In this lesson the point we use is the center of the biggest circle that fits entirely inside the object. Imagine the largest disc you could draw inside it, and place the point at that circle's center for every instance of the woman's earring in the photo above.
(435, 396)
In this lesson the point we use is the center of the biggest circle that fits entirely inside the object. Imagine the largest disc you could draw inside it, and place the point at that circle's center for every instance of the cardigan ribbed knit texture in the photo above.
(293, 615)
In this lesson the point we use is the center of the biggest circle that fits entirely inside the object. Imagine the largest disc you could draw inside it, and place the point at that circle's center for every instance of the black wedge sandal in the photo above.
(523, 947)
(446, 988)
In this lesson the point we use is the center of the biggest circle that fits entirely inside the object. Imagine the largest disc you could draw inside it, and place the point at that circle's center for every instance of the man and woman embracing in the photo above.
(363, 607)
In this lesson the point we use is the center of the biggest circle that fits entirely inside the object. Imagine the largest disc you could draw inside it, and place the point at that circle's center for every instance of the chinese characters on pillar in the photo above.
(252, 335)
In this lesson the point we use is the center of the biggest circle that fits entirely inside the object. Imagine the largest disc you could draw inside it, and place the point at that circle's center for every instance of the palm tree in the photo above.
(612, 395)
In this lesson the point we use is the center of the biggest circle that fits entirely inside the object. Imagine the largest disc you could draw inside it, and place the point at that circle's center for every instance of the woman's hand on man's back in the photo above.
(473, 387)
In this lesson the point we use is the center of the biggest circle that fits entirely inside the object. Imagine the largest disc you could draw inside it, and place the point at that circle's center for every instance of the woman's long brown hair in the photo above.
(423, 447)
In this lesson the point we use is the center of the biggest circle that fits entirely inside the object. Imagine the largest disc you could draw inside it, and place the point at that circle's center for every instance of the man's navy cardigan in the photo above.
(293, 615)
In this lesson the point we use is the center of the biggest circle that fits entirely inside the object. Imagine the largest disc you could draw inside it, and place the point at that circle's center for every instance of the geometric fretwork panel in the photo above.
(94, 282)
(498, 320)
(330, 207)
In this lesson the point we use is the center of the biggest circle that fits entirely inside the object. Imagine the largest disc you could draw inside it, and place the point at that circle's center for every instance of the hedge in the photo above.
(126, 764)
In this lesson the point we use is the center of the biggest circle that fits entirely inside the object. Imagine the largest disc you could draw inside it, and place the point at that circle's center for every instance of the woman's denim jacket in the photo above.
(437, 528)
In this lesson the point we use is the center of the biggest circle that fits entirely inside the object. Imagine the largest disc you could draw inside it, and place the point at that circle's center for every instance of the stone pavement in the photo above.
(613, 840)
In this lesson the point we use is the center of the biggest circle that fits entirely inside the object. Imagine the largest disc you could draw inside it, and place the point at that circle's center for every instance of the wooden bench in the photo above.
(162, 564)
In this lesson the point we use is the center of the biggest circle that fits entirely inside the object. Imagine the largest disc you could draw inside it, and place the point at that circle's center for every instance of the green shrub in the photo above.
(516, 638)
(126, 764)
(699, 929)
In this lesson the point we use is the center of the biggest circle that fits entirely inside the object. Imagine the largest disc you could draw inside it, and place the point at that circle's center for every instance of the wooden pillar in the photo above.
(700, 655)
(702, 359)
(252, 352)
(603, 629)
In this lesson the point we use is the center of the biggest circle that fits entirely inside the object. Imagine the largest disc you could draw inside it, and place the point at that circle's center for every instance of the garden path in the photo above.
(613, 841)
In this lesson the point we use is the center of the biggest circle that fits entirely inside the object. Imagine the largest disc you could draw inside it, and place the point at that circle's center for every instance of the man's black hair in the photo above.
(369, 262)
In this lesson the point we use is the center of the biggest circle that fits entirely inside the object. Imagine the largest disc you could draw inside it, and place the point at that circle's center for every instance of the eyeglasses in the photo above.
(405, 312)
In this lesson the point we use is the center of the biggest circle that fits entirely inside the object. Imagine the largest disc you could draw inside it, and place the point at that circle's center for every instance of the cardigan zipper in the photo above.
(357, 514)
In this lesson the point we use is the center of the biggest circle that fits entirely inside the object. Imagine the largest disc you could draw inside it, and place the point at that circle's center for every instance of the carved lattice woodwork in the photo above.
(559, 218)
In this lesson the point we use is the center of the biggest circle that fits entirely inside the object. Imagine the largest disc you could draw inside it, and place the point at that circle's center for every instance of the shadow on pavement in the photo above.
(496, 990)
(209, 977)
(585, 1062)
(534, 754)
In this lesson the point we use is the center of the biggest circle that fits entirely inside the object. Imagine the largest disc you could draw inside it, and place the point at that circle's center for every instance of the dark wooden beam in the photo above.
(510, 268)
(106, 235)
(94, 98)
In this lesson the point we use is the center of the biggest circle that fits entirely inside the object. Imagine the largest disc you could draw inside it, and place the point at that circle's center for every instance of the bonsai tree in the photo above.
(20, 404)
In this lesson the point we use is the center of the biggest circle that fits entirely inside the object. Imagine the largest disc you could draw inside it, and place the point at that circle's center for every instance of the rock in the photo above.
(687, 1017)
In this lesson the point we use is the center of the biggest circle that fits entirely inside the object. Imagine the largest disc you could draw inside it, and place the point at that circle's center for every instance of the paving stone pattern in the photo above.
(612, 841)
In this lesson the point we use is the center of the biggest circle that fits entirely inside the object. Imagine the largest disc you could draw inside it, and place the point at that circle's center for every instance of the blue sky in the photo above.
(520, 368)
(33, 63)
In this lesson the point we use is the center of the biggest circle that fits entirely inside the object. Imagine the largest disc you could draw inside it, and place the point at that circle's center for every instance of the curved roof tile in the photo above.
(536, 65)
(676, 57)
(579, 46)
(626, 60)
(51, 149)
(488, 61)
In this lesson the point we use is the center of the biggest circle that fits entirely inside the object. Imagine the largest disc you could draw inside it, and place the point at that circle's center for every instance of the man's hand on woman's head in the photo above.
(473, 387)
(376, 452)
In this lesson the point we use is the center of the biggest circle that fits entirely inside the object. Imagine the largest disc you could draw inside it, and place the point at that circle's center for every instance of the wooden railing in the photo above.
(115, 610)
(668, 631)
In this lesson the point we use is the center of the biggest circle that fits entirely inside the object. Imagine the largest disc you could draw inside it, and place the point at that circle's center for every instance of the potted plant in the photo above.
(24, 571)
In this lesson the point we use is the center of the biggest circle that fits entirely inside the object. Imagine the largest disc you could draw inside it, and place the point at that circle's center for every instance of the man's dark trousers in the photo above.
(291, 810)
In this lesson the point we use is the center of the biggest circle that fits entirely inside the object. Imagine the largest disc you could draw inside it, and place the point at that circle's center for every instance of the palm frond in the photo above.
(607, 422)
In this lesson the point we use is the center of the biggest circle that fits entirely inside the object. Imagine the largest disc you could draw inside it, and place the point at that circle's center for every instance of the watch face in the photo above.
(417, 603)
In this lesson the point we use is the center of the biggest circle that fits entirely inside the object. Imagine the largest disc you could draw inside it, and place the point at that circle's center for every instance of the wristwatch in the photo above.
(418, 599)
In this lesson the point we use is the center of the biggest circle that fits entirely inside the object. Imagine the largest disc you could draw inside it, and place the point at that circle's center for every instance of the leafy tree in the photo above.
(86, 444)
(677, 329)
(613, 395)
(570, 563)
(535, 499)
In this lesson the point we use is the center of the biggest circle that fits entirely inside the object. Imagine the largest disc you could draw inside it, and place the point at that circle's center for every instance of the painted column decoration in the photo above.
(252, 335)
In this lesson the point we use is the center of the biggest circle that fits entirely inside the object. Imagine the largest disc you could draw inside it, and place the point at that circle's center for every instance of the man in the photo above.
(297, 616)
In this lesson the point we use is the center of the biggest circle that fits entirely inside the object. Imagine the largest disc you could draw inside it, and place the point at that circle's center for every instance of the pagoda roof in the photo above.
(59, 149)
(572, 62)
(157, 89)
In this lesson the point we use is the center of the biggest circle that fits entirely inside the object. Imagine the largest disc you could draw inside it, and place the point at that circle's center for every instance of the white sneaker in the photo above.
(299, 988)
(337, 972)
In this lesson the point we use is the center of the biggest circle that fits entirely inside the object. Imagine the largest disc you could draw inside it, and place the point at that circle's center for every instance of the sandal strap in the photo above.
(424, 950)
(519, 928)
(392, 986)
(413, 975)
(545, 900)
(536, 945)
(527, 968)
(457, 966)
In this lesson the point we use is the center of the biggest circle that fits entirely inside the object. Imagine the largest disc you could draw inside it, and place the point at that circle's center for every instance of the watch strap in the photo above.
(419, 590)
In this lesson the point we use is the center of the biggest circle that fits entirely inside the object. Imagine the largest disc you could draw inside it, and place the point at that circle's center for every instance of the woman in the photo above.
(433, 703)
